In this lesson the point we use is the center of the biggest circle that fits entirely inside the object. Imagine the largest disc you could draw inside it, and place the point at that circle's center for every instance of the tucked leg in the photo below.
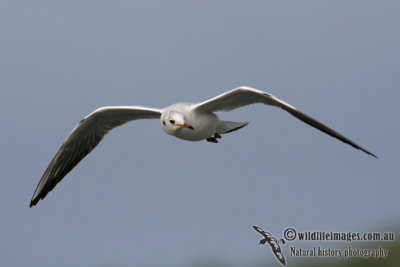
(212, 140)
(217, 135)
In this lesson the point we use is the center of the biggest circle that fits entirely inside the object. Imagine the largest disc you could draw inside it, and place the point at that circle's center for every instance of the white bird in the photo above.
(186, 121)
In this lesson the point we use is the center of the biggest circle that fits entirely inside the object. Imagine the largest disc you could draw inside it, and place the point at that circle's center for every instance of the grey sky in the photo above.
(143, 197)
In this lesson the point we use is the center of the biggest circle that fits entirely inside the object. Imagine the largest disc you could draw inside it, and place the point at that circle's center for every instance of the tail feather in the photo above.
(230, 126)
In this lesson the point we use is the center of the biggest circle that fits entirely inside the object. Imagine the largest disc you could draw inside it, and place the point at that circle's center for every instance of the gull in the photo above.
(187, 121)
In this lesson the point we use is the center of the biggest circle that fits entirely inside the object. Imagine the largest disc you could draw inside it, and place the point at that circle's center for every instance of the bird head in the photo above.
(173, 121)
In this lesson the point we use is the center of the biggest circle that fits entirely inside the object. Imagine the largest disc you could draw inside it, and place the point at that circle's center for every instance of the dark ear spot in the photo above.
(163, 122)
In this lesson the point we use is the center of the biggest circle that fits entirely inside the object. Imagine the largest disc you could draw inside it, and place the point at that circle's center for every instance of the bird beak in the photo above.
(186, 125)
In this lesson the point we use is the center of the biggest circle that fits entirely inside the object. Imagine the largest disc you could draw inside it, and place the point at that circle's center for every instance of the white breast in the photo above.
(204, 124)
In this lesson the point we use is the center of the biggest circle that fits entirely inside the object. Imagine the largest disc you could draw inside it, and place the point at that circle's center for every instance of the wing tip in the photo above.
(38, 195)
(33, 203)
(367, 152)
(372, 154)
(258, 229)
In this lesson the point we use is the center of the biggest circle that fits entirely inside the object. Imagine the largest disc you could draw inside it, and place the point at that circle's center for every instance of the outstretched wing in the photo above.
(276, 249)
(243, 96)
(83, 138)
(261, 231)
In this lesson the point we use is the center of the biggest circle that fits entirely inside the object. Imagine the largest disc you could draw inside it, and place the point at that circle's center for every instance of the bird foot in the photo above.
(212, 140)
(217, 135)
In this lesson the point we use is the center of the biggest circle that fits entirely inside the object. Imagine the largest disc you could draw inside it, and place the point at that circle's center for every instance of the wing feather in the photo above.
(83, 139)
(243, 96)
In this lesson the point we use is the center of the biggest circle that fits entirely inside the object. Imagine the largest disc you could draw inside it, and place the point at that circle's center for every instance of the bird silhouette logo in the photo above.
(273, 242)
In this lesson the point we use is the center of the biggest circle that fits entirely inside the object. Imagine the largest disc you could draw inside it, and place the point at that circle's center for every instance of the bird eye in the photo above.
(172, 121)
(163, 122)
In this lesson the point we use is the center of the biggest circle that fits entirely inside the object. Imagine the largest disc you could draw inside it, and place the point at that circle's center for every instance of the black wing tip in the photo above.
(372, 154)
(37, 198)
(375, 156)
(367, 152)
(34, 202)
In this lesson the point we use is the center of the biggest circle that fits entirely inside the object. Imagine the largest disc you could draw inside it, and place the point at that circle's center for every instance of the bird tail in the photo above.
(230, 126)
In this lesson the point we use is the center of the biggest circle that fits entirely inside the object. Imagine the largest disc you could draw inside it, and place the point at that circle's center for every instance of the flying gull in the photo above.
(187, 121)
